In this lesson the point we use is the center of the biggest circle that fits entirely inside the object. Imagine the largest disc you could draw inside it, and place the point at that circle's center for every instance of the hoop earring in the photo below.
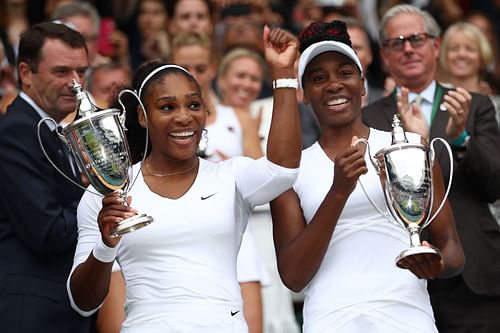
(203, 145)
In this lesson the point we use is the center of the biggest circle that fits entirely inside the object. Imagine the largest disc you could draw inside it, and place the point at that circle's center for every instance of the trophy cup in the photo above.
(97, 141)
(405, 172)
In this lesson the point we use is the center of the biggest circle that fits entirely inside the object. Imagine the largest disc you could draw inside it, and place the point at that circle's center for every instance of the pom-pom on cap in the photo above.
(316, 49)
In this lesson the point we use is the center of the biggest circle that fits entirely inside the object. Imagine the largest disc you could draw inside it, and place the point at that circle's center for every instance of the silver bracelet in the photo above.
(104, 253)
(286, 83)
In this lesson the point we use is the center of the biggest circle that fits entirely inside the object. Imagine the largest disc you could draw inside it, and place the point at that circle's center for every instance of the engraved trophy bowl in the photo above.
(405, 173)
(99, 146)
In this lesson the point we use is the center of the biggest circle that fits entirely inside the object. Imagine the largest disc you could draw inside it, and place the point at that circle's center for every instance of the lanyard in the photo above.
(438, 94)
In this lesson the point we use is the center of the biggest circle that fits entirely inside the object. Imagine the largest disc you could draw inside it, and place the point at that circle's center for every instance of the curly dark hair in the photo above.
(321, 31)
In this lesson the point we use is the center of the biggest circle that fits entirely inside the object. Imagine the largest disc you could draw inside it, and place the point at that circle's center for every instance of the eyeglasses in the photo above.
(416, 40)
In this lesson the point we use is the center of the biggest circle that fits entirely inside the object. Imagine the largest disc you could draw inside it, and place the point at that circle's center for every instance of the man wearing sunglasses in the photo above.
(410, 43)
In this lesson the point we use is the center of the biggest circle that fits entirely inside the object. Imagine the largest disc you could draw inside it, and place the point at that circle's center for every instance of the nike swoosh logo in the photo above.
(208, 196)
(234, 313)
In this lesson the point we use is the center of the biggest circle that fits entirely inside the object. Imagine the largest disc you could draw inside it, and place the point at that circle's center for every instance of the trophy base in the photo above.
(131, 224)
(416, 250)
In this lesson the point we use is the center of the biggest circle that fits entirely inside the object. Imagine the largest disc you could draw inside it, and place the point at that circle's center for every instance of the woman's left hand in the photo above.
(424, 266)
(457, 102)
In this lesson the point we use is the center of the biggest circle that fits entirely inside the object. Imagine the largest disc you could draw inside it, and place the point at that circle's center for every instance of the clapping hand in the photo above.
(457, 102)
(411, 115)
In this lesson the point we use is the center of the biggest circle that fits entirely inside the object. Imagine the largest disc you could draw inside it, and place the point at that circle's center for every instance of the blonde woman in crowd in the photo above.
(464, 57)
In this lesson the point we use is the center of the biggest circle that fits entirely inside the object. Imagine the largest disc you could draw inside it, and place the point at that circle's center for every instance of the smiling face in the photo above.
(333, 87)
(411, 67)
(241, 84)
(176, 116)
(463, 56)
(50, 85)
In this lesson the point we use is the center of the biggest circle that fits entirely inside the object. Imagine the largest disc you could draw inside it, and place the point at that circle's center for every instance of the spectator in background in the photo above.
(487, 26)
(85, 19)
(153, 40)
(196, 52)
(191, 16)
(38, 227)
(13, 21)
(106, 80)
(410, 44)
(8, 87)
(362, 45)
(464, 57)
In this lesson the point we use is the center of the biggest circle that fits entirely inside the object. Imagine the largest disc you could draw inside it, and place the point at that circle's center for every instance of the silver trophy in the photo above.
(97, 141)
(405, 172)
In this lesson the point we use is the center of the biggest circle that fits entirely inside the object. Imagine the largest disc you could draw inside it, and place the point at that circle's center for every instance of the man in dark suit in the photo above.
(38, 229)
(410, 44)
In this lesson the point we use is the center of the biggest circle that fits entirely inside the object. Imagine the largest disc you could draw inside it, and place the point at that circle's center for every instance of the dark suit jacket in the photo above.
(476, 181)
(38, 229)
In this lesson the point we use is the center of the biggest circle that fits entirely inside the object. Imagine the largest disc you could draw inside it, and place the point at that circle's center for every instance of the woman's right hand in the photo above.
(113, 211)
(349, 166)
(281, 51)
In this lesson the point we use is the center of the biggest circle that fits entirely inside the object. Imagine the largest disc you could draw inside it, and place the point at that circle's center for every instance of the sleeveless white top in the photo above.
(358, 287)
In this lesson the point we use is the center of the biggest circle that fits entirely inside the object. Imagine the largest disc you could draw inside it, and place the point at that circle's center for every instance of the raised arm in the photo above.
(284, 143)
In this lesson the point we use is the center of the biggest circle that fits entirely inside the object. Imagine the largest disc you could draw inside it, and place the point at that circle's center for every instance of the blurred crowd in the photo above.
(125, 33)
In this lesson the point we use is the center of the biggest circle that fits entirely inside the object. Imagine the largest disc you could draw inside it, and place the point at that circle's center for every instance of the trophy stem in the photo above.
(416, 247)
(414, 230)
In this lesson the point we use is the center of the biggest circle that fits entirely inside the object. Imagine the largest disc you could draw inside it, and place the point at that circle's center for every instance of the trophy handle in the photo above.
(123, 119)
(377, 168)
(63, 139)
(374, 161)
(432, 156)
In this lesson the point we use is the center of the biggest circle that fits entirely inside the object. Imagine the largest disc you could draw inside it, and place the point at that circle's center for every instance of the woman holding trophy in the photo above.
(180, 271)
(328, 235)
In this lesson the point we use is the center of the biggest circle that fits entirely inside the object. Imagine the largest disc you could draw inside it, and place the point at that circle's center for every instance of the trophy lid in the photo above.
(84, 102)
(398, 132)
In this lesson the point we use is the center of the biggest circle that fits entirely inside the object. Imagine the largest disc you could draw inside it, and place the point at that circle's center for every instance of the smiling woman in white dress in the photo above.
(329, 239)
(180, 271)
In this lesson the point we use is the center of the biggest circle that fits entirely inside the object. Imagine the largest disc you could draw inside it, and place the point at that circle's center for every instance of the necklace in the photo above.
(155, 174)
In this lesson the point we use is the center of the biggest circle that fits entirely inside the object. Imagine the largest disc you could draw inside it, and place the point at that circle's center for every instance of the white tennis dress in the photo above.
(180, 271)
(358, 287)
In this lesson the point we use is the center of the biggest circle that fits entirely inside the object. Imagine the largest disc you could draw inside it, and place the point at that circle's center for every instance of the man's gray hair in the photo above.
(66, 10)
(430, 24)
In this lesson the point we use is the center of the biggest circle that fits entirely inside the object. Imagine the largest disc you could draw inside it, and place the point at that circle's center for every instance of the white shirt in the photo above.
(358, 287)
(426, 100)
(186, 259)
